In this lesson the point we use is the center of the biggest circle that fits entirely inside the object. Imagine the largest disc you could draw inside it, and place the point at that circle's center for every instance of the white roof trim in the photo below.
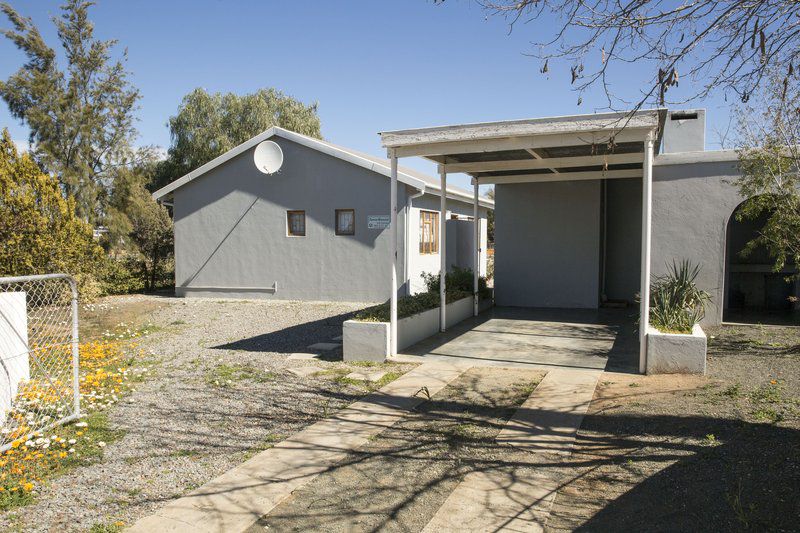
(320, 146)
(570, 124)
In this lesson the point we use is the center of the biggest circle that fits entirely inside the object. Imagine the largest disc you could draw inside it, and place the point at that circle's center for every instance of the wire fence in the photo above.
(39, 385)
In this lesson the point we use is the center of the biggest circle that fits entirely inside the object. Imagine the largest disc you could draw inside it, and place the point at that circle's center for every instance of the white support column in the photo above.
(476, 257)
(393, 253)
(647, 206)
(443, 249)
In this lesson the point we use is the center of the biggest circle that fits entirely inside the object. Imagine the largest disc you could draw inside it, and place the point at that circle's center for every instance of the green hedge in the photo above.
(458, 279)
(409, 305)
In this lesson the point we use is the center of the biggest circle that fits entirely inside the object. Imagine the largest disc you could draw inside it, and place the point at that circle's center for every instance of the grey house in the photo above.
(589, 207)
(314, 230)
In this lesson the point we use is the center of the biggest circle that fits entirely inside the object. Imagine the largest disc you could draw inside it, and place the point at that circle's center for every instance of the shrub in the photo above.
(408, 305)
(458, 279)
(39, 230)
(676, 304)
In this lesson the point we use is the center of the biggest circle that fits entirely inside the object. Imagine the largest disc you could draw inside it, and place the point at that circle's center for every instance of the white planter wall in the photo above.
(369, 341)
(14, 363)
(675, 353)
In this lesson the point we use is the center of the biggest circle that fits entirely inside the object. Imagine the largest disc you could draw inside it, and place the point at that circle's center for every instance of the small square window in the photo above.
(345, 222)
(296, 223)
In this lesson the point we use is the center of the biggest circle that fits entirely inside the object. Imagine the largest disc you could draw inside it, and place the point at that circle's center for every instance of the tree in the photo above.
(769, 159)
(81, 117)
(719, 44)
(151, 231)
(39, 230)
(208, 125)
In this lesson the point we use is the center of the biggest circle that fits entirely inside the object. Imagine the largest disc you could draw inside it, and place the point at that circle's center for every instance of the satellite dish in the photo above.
(268, 157)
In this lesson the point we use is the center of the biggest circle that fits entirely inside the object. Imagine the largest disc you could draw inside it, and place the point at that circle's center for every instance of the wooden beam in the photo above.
(521, 143)
(552, 163)
(562, 176)
(535, 154)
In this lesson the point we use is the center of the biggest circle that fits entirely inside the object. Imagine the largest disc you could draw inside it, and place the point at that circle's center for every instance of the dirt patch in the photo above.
(399, 480)
(690, 453)
(118, 314)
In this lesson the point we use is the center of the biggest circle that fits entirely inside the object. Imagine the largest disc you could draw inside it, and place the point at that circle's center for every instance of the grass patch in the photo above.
(27, 465)
(267, 443)
(114, 527)
(225, 375)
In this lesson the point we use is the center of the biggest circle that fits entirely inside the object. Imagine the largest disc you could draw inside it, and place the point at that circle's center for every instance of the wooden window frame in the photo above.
(336, 222)
(289, 222)
(430, 218)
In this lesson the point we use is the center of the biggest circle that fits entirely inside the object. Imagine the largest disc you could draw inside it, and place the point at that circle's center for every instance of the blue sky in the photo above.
(372, 65)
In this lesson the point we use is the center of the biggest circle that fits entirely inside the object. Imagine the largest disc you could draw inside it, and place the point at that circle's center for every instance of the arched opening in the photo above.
(755, 293)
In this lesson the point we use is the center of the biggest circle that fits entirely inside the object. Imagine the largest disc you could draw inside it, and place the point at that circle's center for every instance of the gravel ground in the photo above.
(693, 453)
(220, 391)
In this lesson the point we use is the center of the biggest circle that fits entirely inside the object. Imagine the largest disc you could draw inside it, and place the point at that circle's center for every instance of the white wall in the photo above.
(420, 263)
(15, 365)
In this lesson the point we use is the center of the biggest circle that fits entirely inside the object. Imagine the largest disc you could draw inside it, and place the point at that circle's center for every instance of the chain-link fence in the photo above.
(39, 385)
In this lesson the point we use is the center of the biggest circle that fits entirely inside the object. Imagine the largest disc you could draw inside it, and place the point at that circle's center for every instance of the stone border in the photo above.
(676, 353)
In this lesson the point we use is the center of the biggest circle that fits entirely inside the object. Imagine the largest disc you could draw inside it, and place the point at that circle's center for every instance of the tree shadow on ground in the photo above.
(292, 339)
(695, 473)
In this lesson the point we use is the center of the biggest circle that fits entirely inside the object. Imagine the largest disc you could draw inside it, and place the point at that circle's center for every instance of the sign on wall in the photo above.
(378, 221)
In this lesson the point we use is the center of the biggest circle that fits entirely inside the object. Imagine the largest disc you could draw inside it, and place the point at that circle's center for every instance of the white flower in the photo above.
(101, 444)
(81, 425)
(72, 441)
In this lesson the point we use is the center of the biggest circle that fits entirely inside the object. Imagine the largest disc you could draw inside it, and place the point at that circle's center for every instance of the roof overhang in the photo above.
(596, 146)
(304, 140)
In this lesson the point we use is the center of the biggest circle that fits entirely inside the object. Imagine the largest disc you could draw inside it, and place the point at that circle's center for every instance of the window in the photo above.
(428, 232)
(345, 222)
(296, 223)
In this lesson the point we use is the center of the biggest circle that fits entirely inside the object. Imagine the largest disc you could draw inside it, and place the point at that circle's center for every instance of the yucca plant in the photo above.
(676, 304)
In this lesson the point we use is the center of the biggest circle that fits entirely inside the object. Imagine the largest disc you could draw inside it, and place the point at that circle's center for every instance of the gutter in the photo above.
(407, 266)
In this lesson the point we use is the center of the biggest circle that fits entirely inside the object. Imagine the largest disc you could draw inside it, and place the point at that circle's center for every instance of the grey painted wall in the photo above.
(691, 207)
(230, 230)
(623, 238)
(547, 245)
(231, 237)
(683, 133)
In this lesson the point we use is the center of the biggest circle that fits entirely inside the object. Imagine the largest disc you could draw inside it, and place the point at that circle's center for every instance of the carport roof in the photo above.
(600, 145)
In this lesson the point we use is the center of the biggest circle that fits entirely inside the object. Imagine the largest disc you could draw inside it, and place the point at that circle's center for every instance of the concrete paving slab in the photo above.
(366, 375)
(325, 346)
(545, 424)
(238, 498)
(305, 371)
(549, 419)
(495, 501)
(536, 338)
(301, 356)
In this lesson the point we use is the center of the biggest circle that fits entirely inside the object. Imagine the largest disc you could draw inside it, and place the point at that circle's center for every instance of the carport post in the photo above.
(647, 206)
(393, 254)
(476, 258)
(442, 249)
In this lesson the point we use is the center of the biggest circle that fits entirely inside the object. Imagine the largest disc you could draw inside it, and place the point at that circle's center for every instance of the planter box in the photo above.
(369, 341)
(676, 353)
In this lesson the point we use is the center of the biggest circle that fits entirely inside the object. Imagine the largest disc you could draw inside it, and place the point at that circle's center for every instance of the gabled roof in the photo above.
(410, 177)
